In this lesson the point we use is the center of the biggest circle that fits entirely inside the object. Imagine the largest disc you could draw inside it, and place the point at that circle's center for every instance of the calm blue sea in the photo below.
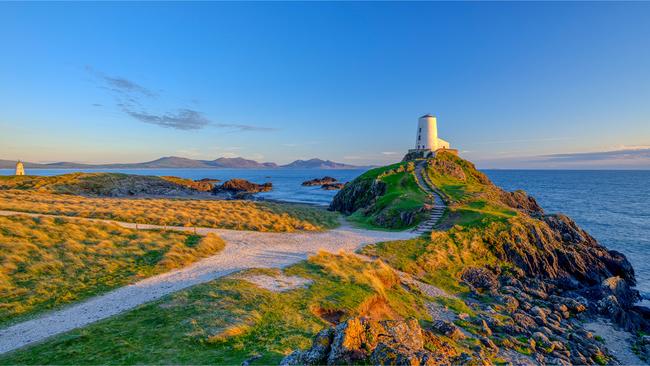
(613, 206)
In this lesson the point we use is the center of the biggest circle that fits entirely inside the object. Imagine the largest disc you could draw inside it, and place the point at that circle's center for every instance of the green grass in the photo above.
(402, 195)
(50, 262)
(227, 321)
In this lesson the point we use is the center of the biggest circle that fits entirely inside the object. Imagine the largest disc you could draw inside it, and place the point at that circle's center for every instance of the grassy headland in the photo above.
(48, 262)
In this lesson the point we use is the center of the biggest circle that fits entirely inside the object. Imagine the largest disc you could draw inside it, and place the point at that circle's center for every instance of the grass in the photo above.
(475, 221)
(230, 320)
(403, 195)
(103, 184)
(49, 262)
(239, 215)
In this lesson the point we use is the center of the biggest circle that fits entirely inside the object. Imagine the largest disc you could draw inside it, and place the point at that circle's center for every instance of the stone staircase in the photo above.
(439, 205)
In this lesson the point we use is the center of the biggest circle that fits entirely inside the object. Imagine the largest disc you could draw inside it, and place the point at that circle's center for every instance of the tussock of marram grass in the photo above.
(239, 215)
(350, 268)
(47, 262)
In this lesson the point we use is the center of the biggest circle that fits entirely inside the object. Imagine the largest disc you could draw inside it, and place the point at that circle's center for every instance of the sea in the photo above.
(613, 206)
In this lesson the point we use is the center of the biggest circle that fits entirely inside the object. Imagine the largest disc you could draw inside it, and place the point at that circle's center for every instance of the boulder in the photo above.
(332, 186)
(480, 278)
(319, 181)
(241, 188)
(363, 340)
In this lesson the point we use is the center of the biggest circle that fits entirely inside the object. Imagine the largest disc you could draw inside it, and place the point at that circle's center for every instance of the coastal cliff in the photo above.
(523, 282)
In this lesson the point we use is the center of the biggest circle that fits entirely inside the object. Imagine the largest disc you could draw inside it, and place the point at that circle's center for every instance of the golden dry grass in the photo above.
(46, 262)
(239, 215)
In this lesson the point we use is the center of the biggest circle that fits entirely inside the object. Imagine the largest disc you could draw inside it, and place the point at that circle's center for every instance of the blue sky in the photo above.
(510, 83)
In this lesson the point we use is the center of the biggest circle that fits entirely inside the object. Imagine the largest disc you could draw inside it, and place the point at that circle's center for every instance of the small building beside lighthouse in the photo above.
(20, 168)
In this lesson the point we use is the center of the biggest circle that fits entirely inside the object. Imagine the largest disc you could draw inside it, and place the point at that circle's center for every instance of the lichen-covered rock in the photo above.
(241, 188)
(480, 278)
(332, 186)
(317, 354)
(387, 342)
(521, 201)
(357, 194)
(319, 181)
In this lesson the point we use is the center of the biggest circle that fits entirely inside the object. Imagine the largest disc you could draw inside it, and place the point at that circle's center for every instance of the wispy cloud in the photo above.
(514, 141)
(626, 157)
(389, 153)
(241, 127)
(183, 119)
(120, 84)
(638, 154)
(136, 100)
(300, 144)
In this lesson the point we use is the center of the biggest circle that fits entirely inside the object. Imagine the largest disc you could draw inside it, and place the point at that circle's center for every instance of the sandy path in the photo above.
(244, 249)
(618, 342)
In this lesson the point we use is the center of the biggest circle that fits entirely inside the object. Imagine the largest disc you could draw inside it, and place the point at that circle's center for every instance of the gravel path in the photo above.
(244, 249)
(618, 342)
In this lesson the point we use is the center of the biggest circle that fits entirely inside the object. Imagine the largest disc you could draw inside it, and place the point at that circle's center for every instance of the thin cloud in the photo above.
(183, 119)
(136, 101)
(120, 84)
(626, 158)
(241, 127)
(624, 154)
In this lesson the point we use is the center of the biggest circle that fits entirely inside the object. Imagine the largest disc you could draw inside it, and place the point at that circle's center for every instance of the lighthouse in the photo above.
(20, 168)
(427, 142)
(427, 135)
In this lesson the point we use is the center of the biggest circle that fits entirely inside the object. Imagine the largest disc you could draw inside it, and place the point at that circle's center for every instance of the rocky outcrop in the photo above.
(332, 186)
(521, 201)
(357, 194)
(319, 181)
(387, 342)
(240, 189)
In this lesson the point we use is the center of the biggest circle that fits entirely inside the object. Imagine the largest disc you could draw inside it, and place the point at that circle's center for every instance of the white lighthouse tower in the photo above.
(427, 135)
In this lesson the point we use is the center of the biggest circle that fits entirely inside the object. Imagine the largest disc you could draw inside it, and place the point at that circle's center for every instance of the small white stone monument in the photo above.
(20, 168)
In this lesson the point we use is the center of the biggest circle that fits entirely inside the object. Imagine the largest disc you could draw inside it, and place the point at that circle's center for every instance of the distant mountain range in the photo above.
(173, 162)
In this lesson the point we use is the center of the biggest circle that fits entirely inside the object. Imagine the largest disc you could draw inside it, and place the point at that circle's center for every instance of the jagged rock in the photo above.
(510, 303)
(618, 287)
(485, 329)
(525, 321)
(241, 188)
(362, 340)
(449, 329)
(480, 278)
(319, 181)
(358, 194)
(332, 186)
(317, 354)
(522, 201)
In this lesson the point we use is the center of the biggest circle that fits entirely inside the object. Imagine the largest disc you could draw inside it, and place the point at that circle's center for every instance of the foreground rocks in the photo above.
(387, 342)
(240, 189)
